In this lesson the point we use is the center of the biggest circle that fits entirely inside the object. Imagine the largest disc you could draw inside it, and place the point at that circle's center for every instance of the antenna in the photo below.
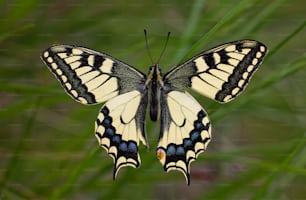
(163, 51)
(148, 49)
(147, 45)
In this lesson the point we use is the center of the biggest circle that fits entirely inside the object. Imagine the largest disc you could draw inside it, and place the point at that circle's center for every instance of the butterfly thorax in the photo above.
(154, 84)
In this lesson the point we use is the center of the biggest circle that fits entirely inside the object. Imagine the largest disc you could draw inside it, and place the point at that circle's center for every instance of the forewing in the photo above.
(221, 73)
(120, 126)
(185, 132)
(89, 76)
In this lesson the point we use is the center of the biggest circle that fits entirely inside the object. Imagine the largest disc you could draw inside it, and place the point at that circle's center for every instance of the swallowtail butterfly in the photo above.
(92, 77)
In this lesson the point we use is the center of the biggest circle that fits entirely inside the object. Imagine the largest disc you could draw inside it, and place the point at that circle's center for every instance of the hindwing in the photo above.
(185, 132)
(220, 73)
(120, 126)
(89, 76)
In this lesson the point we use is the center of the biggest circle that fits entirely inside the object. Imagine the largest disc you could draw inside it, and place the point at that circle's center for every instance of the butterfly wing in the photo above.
(89, 76)
(220, 73)
(120, 126)
(185, 132)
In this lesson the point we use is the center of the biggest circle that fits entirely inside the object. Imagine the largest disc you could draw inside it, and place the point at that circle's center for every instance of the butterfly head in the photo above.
(154, 74)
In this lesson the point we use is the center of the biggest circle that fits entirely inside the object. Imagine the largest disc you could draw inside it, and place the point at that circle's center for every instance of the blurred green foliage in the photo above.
(47, 145)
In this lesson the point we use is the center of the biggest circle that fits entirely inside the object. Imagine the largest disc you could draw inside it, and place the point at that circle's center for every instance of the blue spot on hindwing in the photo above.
(198, 125)
(109, 132)
(107, 121)
(195, 135)
(187, 143)
(171, 150)
(123, 146)
(116, 139)
(180, 151)
(132, 146)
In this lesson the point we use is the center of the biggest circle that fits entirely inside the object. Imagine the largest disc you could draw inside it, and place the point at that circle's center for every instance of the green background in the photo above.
(47, 145)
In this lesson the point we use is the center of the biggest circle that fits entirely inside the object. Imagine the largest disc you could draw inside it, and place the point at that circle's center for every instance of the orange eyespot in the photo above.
(160, 154)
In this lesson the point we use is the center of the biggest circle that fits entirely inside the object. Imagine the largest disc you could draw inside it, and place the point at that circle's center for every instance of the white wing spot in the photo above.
(205, 120)
(245, 75)
(262, 49)
(64, 78)
(227, 98)
(68, 86)
(254, 61)
(46, 54)
(50, 60)
(240, 83)
(258, 55)
(235, 91)
(54, 66)
(59, 72)
(82, 100)
(74, 93)
(250, 68)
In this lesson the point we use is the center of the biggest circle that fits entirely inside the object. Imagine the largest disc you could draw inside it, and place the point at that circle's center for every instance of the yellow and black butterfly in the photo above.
(92, 77)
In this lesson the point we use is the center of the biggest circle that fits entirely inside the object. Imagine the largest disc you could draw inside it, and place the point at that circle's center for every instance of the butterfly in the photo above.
(92, 77)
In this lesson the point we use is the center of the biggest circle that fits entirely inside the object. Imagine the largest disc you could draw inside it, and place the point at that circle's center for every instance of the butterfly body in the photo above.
(154, 85)
(91, 77)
